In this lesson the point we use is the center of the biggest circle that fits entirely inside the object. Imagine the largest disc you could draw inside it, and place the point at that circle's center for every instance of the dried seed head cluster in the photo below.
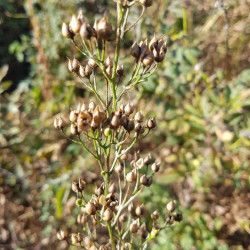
(113, 217)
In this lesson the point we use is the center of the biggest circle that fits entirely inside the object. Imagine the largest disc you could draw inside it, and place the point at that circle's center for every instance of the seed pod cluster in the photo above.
(101, 29)
(86, 116)
(149, 52)
(59, 122)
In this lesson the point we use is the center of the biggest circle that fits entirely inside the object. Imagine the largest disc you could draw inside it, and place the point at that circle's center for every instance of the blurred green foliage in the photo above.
(200, 97)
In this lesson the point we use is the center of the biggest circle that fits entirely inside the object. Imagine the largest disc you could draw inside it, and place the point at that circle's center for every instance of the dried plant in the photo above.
(109, 130)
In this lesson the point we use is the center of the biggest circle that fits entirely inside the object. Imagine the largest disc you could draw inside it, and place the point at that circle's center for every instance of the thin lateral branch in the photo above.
(137, 20)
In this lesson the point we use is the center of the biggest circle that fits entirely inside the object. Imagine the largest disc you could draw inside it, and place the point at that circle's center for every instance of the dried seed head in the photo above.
(102, 200)
(144, 180)
(70, 67)
(75, 187)
(80, 16)
(75, 24)
(81, 184)
(129, 126)
(82, 71)
(92, 63)
(139, 210)
(155, 215)
(112, 188)
(62, 235)
(108, 62)
(171, 206)
(109, 70)
(82, 219)
(129, 109)
(149, 181)
(86, 31)
(73, 116)
(148, 159)
(119, 168)
(134, 227)
(131, 207)
(131, 176)
(120, 70)
(146, 3)
(153, 43)
(151, 123)
(148, 60)
(124, 156)
(59, 123)
(139, 163)
(66, 32)
(90, 209)
(139, 129)
(135, 50)
(115, 122)
(143, 231)
(108, 215)
(156, 167)
(73, 129)
(139, 116)
(88, 71)
(75, 65)
(177, 217)
(104, 29)
(92, 106)
(123, 218)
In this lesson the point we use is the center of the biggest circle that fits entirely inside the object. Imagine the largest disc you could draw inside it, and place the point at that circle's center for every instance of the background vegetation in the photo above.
(201, 98)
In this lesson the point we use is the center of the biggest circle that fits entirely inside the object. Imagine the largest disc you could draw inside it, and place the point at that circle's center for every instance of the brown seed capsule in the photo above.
(146, 3)
(70, 65)
(134, 227)
(81, 184)
(75, 65)
(109, 71)
(75, 24)
(112, 188)
(115, 122)
(139, 116)
(149, 181)
(156, 167)
(82, 219)
(129, 109)
(155, 215)
(131, 176)
(135, 50)
(123, 218)
(148, 159)
(120, 70)
(107, 215)
(148, 60)
(139, 163)
(88, 242)
(104, 29)
(90, 209)
(151, 123)
(144, 180)
(119, 168)
(171, 206)
(73, 116)
(130, 126)
(59, 123)
(124, 156)
(139, 210)
(177, 217)
(131, 207)
(139, 129)
(143, 231)
(92, 107)
(82, 71)
(73, 129)
(108, 62)
(85, 31)
(88, 71)
(92, 63)
(62, 235)
(66, 32)
(153, 43)
(75, 187)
